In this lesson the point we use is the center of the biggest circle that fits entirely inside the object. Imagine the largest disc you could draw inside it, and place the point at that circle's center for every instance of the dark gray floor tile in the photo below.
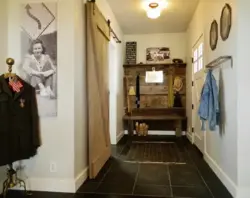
(51, 195)
(123, 140)
(116, 188)
(153, 174)
(103, 171)
(90, 195)
(192, 192)
(120, 177)
(218, 189)
(206, 172)
(115, 150)
(124, 167)
(88, 187)
(185, 175)
(152, 190)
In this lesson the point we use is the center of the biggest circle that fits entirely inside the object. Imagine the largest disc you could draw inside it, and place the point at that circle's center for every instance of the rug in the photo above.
(155, 152)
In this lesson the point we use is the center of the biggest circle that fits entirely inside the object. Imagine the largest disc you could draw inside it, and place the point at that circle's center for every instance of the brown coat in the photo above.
(19, 123)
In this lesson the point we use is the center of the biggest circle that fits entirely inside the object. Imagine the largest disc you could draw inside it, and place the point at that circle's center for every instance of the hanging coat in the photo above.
(209, 103)
(137, 91)
(19, 131)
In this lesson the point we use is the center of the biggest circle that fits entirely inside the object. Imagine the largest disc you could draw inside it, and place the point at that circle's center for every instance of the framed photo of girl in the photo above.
(39, 53)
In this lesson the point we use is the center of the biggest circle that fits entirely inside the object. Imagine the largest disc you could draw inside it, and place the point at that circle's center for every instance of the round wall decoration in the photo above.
(213, 34)
(225, 21)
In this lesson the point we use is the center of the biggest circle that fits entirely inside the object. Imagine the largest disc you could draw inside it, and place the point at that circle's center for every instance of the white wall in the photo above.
(3, 56)
(116, 76)
(3, 35)
(220, 145)
(243, 105)
(175, 41)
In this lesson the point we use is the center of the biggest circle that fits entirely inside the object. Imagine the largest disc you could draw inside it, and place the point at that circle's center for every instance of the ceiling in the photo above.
(133, 19)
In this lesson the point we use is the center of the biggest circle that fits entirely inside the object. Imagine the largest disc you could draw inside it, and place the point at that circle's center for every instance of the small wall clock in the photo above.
(213, 35)
(225, 22)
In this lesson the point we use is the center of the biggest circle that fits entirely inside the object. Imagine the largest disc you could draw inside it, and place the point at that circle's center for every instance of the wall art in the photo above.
(39, 53)
(131, 48)
(213, 35)
(158, 55)
(225, 22)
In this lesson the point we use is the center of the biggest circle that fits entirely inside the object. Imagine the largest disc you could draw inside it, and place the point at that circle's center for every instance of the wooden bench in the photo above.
(170, 114)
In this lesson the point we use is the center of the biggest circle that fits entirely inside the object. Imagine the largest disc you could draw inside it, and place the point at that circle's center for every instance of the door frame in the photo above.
(201, 144)
(113, 91)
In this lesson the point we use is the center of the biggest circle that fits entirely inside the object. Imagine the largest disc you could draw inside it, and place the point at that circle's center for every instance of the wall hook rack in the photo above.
(218, 61)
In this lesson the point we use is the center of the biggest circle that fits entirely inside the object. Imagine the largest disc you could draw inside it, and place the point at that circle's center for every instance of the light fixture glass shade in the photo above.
(153, 13)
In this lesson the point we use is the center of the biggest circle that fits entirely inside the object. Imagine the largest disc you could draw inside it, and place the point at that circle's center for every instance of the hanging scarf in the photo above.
(137, 102)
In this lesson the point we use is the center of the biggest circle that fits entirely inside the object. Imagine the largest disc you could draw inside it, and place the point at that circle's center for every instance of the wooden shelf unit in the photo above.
(155, 95)
(183, 65)
(156, 99)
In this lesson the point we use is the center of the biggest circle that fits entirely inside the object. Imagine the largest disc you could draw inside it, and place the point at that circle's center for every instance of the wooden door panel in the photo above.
(98, 97)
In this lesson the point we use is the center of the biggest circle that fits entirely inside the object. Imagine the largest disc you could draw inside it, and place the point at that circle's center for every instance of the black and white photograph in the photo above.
(158, 55)
(39, 53)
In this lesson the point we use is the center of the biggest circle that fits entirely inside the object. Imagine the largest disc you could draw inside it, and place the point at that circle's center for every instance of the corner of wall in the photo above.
(80, 97)
(120, 136)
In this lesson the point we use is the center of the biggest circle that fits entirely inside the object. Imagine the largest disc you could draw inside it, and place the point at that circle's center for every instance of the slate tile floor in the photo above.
(119, 179)
(193, 180)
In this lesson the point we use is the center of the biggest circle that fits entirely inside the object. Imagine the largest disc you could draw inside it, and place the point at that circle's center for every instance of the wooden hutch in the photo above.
(156, 99)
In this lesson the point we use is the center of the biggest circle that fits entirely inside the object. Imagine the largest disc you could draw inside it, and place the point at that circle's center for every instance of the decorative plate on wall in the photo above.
(213, 34)
(225, 21)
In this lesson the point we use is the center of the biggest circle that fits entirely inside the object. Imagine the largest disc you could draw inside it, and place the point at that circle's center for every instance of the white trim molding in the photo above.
(64, 185)
(225, 179)
(51, 185)
(81, 178)
(190, 137)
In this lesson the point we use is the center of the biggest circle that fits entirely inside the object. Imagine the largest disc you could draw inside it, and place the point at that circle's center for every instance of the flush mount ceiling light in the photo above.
(154, 7)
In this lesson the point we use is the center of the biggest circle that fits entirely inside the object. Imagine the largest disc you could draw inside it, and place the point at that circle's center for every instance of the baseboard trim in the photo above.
(190, 137)
(81, 178)
(229, 184)
(119, 136)
(51, 185)
(151, 132)
(56, 184)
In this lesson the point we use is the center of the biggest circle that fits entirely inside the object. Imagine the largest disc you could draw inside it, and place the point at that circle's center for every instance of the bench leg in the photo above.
(130, 127)
(178, 130)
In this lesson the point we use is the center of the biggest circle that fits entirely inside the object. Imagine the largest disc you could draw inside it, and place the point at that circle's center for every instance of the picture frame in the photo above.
(213, 35)
(225, 22)
(158, 55)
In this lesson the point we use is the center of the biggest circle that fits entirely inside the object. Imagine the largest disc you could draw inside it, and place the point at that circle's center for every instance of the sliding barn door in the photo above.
(98, 34)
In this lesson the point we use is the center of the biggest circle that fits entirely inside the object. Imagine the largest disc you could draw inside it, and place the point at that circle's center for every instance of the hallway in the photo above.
(120, 179)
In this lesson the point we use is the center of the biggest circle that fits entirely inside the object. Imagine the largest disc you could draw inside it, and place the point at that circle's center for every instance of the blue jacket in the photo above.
(209, 104)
